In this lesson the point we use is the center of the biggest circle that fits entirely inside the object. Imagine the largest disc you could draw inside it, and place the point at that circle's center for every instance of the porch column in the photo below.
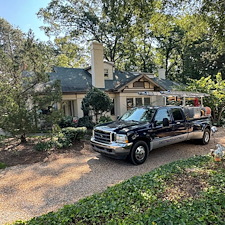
(121, 105)
(79, 111)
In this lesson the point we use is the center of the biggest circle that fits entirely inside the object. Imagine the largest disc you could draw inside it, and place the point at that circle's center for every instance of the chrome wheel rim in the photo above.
(140, 153)
(206, 137)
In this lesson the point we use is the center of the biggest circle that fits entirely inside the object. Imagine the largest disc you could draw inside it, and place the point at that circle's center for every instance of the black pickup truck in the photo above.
(142, 129)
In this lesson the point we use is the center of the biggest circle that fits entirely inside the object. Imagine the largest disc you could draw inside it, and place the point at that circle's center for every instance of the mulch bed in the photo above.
(13, 153)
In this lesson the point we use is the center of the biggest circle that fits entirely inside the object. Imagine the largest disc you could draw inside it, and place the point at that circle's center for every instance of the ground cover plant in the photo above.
(66, 137)
(2, 165)
(183, 192)
(39, 148)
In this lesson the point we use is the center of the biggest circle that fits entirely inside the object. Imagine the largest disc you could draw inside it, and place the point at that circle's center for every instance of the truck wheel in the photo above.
(206, 137)
(139, 152)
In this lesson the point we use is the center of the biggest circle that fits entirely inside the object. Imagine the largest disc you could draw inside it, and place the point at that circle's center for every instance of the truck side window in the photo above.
(177, 115)
(160, 115)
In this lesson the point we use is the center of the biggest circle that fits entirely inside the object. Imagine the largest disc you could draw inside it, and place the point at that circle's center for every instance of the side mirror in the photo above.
(165, 122)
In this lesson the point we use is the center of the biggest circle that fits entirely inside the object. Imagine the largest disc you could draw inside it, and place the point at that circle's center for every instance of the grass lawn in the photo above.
(184, 192)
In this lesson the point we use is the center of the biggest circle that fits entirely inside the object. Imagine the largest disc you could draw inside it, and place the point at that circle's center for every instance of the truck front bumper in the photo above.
(113, 150)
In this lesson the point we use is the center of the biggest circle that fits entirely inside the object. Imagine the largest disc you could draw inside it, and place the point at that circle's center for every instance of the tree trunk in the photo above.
(96, 118)
(23, 138)
(167, 61)
(220, 116)
(35, 118)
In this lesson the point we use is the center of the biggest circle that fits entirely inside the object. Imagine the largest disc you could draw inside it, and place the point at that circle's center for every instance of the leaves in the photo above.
(184, 37)
(140, 200)
(96, 100)
(214, 87)
(24, 85)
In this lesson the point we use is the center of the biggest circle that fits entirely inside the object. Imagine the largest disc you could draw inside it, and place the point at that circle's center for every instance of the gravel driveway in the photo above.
(31, 190)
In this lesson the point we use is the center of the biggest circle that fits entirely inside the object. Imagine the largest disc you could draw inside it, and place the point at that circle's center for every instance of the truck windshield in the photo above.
(138, 114)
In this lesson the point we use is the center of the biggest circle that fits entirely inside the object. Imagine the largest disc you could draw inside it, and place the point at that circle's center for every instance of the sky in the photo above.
(22, 14)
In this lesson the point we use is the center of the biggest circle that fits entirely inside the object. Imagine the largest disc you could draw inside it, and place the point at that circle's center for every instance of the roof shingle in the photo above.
(80, 80)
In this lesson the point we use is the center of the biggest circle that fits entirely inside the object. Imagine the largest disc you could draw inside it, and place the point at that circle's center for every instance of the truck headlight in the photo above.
(121, 138)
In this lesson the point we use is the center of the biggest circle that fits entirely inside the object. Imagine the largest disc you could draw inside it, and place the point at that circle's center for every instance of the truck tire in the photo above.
(139, 152)
(206, 137)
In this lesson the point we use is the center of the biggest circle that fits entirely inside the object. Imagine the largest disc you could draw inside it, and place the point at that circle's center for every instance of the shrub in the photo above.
(97, 101)
(105, 119)
(86, 121)
(65, 138)
(72, 133)
(68, 121)
(44, 145)
(69, 135)
(56, 129)
(2, 165)
(63, 141)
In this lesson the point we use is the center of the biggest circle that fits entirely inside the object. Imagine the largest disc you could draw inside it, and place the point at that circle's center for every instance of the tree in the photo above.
(69, 54)
(185, 37)
(190, 39)
(119, 25)
(213, 11)
(216, 89)
(24, 85)
(98, 101)
(186, 47)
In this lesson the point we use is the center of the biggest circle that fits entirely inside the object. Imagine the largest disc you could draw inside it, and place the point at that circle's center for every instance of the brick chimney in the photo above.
(97, 66)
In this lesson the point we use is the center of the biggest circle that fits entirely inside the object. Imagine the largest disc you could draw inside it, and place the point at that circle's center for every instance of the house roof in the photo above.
(72, 79)
(166, 84)
(80, 80)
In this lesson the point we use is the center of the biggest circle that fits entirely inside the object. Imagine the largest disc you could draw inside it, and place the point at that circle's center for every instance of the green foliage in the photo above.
(68, 54)
(63, 141)
(2, 138)
(73, 133)
(56, 129)
(24, 84)
(105, 119)
(67, 121)
(186, 38)
(98, 101)
(2, 165)
(69, 135)
(142, 199)
(86, 121)
(47, 121)
(44, 146)
(213, 11)
(108, 22)
(62, 138)
(214, 87)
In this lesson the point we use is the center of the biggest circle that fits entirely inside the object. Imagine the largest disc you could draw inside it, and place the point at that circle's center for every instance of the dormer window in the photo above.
(106, 72)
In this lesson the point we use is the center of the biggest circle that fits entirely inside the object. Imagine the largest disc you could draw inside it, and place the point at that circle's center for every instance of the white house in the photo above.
(122, 87)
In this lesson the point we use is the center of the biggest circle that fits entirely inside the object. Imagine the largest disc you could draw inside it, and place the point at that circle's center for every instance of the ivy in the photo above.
(140, 200)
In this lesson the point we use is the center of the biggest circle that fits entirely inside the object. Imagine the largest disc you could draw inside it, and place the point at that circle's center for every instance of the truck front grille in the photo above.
(103, 136)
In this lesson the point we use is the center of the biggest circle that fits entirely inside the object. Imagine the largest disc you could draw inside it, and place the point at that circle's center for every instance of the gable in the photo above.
(140, 82)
